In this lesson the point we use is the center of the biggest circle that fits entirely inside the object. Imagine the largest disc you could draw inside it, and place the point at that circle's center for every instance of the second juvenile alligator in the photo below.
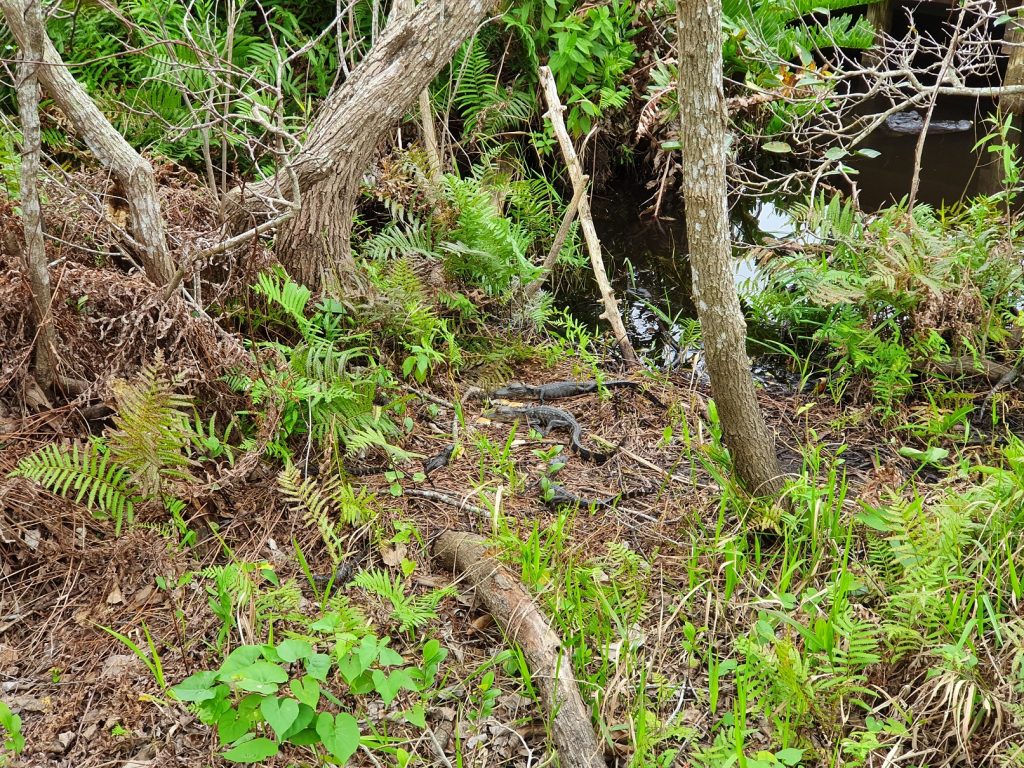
(558, 390)
(545, 418)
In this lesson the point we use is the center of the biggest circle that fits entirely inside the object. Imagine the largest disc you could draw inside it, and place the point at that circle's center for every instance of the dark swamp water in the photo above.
(647, 257)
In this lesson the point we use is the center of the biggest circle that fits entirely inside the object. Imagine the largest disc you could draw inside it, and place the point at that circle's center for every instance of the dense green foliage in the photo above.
(871, 615)
(895, 298)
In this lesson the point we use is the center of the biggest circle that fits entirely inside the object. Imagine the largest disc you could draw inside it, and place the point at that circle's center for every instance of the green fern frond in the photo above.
(410, 612)
(152, 433)
(401, 239)
(346, 618)
(87, 471)
(314, 502)
(291, 297)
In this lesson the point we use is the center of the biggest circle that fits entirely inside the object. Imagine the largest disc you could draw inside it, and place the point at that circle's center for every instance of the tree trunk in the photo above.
(703, 134)
(314, 245)
(31, 214)
(133, 173)
(348, 129)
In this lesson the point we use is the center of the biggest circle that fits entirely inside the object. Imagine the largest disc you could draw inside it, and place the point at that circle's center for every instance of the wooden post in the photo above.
(1013, 44)
(572, 162)
(880, 17)
(990, 173)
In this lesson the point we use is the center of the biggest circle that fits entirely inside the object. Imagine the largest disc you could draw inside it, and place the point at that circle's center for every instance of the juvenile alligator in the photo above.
(558, 390)
(544, 418)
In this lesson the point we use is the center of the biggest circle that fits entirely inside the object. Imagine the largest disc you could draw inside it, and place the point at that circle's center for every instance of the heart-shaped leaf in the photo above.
(306, 690)
(197, 687)
(254, 751)
(340, 735)
(389, 658)
(305, 737)
(306, 715)
(789, 756)
(234, 724)
(280, 714)
(416, 716)
(317, 665)
(240, 658)
(293, 649)
(388, 686)
(260, 677)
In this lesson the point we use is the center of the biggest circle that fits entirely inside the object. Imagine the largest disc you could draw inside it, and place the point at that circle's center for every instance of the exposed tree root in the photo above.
(512, 607)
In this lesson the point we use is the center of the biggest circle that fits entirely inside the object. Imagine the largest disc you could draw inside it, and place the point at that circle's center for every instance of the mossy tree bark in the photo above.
(703, 133)
(314, 245)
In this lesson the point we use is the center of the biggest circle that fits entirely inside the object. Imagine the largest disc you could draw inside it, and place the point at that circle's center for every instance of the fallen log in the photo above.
(505, 598)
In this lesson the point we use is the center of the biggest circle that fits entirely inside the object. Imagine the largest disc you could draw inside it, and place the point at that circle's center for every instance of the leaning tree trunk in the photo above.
(314, 245)
(703, 133)
(132, 172)
(31, 214)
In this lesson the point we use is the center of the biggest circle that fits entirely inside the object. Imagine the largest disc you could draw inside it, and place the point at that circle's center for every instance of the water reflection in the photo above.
(646, 257)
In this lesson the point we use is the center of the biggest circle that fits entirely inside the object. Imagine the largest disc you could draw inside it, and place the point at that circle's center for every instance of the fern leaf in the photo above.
(104, 487)
(152, 433)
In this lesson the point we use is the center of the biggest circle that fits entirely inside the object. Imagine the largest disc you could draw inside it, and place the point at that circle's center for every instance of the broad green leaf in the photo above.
(416, 716)
(280, 714)
(306, 716)
(869, 153)
(254, 751)
(261, 677)
(318, 665)
(367, 651)
(789, 756)
(240, 658)
(197, 687)
(390, 658)
(306, 690)
(305, 737)
(932, 455)
(234, 724)
(293, 649)
(835, 153)
(349, 667)
(340, 735)
(873, 518)
(388, 686)
(778, 147)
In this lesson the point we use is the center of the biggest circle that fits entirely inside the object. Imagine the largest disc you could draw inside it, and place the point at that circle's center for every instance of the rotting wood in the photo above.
(467, 555)
(572, 162)
(147, 233)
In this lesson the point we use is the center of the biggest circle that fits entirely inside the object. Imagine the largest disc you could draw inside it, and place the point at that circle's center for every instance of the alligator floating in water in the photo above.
(912, 123)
